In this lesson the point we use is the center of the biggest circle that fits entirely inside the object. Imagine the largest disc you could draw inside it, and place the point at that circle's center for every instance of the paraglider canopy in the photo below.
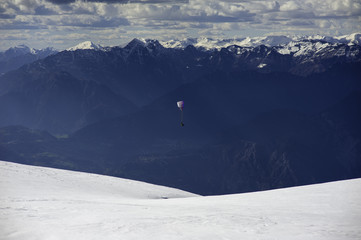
(180, 104)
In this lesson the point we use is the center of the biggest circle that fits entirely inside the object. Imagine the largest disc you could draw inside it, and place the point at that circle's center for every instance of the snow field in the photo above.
(44, 203)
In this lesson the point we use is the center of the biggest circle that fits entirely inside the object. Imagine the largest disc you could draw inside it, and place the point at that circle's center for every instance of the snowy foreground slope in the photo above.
(43, 203)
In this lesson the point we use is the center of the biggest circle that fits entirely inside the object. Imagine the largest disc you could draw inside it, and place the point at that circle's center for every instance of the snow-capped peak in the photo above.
(149, 43)
(212, 43)
(354, 38)
(23, 49)
(267, 40)
(270, 41)
(201, 42)
(85, 45)
(20, 49)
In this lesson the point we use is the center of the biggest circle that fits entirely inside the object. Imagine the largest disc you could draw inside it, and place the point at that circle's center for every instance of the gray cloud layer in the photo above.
(119, 1)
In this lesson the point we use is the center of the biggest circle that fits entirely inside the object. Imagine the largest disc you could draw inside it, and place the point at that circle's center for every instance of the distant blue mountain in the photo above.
(15, 57)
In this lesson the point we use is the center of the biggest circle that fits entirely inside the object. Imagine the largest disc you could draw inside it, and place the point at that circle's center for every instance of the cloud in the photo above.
(87, 21)
(196, 11)
(172, 17)
(4, 14)
(73, 36)
(21, 22)
(222, 11)
(290, 6)
(43, 10)
(61, 1)
(7, 16)
(16, 36)
(301, 23)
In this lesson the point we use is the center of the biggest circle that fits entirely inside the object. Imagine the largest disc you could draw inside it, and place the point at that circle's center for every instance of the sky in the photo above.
(64, 23)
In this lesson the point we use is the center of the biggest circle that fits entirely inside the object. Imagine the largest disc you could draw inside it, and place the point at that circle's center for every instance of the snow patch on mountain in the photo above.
(23, 49)
(261, 65)
(298, 45)
(44, 203)
(20, 50)
(303, 48)
(202, 42)
(270, 41)
(354, 38)
(267, 41)
(85, 45)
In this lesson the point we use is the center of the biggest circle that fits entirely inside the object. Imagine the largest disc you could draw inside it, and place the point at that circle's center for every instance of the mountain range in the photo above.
(93, 84)
(15, 57)
(256, 117)
(219, 43)
(270, 41)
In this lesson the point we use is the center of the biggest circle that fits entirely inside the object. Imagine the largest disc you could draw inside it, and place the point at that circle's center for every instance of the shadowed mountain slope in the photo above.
(244, 131)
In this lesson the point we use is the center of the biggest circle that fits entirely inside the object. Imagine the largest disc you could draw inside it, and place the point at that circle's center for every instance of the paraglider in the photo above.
(180, 105)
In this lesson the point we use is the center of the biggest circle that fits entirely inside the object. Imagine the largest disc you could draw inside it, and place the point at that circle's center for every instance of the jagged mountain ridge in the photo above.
(15, 57)
(270, 41)
(142, 71)
(133, 73)
(302, 51)
(315, 54)
(22, 50)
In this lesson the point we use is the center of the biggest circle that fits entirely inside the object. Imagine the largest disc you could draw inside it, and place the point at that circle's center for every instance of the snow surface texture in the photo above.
(43, 203)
